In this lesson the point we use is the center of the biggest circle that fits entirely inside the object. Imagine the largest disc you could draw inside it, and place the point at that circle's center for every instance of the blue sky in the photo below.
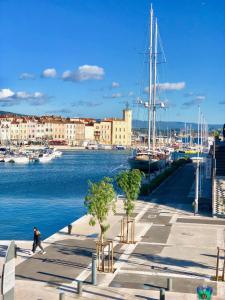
(86, 57)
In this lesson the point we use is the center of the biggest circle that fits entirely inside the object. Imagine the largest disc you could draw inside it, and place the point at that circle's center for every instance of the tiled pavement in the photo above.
(171, 243)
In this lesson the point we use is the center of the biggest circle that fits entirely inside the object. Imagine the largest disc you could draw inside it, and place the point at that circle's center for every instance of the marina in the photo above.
(22, 156)
(51, 195)
(112, 150)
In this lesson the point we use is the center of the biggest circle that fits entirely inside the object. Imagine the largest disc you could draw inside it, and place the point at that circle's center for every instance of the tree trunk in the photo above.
(127, 228)
(102, 234)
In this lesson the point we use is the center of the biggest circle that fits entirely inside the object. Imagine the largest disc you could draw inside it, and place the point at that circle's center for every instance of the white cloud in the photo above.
(59, 111)
(115, 84)
(169, 86)
(85, 72)
(116, 95)
(87, 103)
(130, 94)
(189, 94)
(67, 75)
(8, 97)
(195, 101)
(5, 94)
(200, 97)
(25, 76)
(113, 96)
(49, 73)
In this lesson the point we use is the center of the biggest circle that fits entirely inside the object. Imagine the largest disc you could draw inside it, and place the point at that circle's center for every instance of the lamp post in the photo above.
(197, 170)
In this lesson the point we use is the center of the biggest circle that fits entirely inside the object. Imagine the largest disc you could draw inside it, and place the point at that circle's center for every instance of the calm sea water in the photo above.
(50, 195)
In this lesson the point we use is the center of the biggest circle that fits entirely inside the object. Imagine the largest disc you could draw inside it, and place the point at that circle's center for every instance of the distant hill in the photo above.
(9, 113)
(164, 125)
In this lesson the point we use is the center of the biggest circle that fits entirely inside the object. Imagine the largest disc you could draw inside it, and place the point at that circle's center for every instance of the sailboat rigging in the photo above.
(152, 159)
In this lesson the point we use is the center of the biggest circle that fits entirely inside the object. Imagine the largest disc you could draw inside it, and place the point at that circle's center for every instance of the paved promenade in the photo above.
(170, 243)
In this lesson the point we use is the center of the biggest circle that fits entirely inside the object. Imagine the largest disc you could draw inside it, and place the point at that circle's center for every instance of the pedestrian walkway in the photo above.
(170, 243)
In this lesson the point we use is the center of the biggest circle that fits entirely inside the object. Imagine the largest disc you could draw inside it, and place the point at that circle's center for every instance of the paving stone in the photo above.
(201, 221)
(157, 234)
(154, 282)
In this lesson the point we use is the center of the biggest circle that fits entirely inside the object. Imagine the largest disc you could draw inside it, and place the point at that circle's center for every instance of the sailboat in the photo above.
(151, 159)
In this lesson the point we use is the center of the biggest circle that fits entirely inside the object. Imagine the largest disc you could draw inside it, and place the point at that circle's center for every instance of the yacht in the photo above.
(92, 146)
(57, 153)
(21, 159)
(9, 158)
(45, 157)
(104, 147)
(152, 159)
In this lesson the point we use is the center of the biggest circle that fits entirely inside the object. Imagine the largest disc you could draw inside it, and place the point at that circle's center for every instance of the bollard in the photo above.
(169, 284)
(79, 287)
(69, 229)
(61, 296)
(94, 269)
(162, 294)
(16, 248)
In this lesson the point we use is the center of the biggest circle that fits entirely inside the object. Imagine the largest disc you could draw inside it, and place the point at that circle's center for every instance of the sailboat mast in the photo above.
(154, 89)
(150, 81)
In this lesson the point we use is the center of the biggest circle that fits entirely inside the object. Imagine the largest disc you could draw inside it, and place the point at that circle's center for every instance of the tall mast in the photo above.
(190, 136)
(199, 115)
(150, 81)
(154, 89)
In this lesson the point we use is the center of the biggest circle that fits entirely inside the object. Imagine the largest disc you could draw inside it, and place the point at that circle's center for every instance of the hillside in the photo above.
(164, 125)
(2, 112)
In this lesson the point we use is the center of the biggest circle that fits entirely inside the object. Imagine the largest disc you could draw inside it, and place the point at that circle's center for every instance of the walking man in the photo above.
(194, 206)
(37, 241)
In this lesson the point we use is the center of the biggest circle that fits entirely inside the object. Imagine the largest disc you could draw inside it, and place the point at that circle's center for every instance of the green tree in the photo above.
(130, 183)
(99, 200)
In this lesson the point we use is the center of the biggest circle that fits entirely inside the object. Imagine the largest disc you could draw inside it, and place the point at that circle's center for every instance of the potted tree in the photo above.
(130, 183)
(99, 201)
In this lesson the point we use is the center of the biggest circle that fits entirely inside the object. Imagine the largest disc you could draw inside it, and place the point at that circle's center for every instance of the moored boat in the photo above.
(120, 147)
(9, 158)
(153, 158)
(57, 153)
(45, 158)
(21, 159)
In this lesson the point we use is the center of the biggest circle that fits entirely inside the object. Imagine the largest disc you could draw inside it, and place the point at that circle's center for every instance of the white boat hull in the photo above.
(21, 160)
(45, 159)
(8, 159)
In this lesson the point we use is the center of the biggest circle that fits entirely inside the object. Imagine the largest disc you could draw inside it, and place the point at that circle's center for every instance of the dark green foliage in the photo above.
(130, 183)
(148, 188)
(99, 200)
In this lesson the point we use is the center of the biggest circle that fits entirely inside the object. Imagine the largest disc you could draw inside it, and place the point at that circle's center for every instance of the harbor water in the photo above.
(51, 195)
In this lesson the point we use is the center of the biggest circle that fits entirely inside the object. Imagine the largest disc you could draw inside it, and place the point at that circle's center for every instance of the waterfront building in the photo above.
(31, 127)
(5, 132)
(122, 129)
(89, 132)
(114, 131)
(14, 132)
(48, 129)
(103, 132)
(58, 129)
(72, 131)
(40, 131)
(79, 133)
